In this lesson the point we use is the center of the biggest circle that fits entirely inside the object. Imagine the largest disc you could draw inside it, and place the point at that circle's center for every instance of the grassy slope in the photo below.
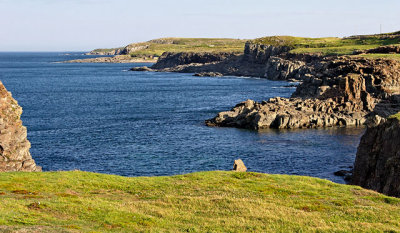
(190, 45)
(332, 45)
(199, 202)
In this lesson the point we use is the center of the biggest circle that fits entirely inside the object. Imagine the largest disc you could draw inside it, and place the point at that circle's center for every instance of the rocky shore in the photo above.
(377, 165)
(14, 145)
(334, 90)
(115, 59)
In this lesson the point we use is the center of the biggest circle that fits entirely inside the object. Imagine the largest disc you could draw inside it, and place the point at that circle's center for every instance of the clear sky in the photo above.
(81, 25)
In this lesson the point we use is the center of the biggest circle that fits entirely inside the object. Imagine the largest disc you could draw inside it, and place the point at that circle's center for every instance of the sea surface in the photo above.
(104, 118)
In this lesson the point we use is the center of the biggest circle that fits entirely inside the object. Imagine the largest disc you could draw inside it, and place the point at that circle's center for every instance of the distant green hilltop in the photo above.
(155, 48)
(332, 45)
(324, 45)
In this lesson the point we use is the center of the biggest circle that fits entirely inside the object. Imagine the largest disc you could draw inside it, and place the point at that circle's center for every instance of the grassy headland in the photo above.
(105, 50)
(217, 201)
(332, 45)
(159, 46)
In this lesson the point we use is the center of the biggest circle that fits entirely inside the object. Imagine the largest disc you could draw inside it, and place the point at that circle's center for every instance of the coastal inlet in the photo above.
(97, 117)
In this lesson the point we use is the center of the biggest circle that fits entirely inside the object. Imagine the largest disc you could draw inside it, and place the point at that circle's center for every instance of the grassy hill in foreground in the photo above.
(217, 201)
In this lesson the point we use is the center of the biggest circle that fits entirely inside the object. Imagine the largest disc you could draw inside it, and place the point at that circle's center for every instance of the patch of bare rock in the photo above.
(377, 164)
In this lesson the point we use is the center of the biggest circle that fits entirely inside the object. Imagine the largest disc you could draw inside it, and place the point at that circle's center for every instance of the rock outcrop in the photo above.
(133, 48)
(251, 63)
(14, 145)
(347, 109)
(105, 52)
(208, 74)
(341, 91)
(377, 164)
(283, 69)
(260, 53)
(170, 60)
(238, 166)
(115, 59)
(335, 92)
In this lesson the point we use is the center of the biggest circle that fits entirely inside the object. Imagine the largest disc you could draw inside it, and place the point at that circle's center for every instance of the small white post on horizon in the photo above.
(380, 28)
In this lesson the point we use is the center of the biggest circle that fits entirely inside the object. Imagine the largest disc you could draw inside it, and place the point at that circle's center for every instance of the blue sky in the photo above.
(81, 25)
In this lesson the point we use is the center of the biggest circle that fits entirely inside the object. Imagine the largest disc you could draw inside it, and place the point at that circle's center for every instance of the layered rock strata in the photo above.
(377, 164)
(14, 145)
(348, 108)
(341, 91)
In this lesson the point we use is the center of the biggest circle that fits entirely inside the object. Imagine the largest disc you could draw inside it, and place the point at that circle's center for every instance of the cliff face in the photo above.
(171, 60)
(260, 53)
(334, 91)
(377, 165)
(14, 145)
(105, 52)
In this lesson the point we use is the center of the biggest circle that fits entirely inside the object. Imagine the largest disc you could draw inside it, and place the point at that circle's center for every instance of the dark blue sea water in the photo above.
(103, 118)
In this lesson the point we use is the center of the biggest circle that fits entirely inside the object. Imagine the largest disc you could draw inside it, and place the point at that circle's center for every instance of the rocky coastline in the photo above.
(119, 55)
(115, 59)
(333, 90)
(343, 91)
(14, 145)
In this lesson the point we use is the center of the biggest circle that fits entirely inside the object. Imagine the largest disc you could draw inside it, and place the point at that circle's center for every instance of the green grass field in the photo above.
(325, 46)
(217, 201)
(159, 46)
(331, 45)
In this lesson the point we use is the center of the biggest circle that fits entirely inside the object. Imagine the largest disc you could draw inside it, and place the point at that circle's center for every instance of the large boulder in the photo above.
(14, 145)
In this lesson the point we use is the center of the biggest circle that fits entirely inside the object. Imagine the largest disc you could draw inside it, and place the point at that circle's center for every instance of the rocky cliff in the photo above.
(14, 145)
(250, 63)
(377, 165)
(260, 53)
(172, 60)
(333, 91)
(105, 52)
(348, 106)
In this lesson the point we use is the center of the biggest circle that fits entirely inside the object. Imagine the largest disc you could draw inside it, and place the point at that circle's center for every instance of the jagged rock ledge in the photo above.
(348, 108)
(14, 145)
(333, 91)
(377, 164)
